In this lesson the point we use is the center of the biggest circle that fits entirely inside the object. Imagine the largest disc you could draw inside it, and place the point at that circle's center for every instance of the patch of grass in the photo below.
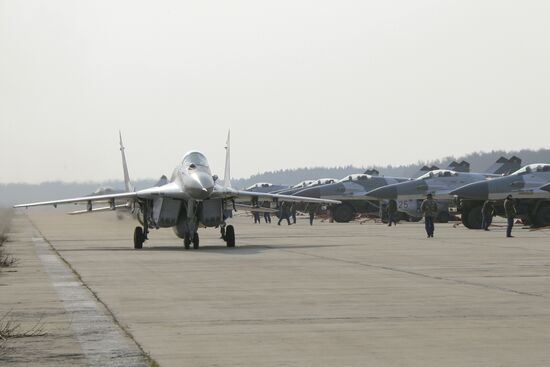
(5, 220)
(11, 329)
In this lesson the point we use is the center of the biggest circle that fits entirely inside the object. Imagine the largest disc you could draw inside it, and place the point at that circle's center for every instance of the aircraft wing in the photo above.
(168, 190)
(229, 193)
(83, 199)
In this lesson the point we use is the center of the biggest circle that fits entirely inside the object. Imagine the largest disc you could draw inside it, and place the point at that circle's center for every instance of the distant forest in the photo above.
(480, 161)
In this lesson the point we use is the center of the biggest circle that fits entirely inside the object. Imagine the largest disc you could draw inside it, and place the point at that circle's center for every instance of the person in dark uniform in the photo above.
(285, 214)
(429, 209)
(511, 212)
(487, 213)
(392, 212)
(312, 209)
(267, 215)
(293, 212)
(256, 217)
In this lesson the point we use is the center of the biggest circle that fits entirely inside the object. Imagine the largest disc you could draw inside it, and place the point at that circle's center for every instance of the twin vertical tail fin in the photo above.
(127, 184)
(227, 175)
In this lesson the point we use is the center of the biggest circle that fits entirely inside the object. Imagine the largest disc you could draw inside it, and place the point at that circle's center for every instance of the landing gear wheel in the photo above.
(196, 241)
(186, 241)
(343, 213)
(139, 238)
(543, 216)
(230, 236)
(472, 218)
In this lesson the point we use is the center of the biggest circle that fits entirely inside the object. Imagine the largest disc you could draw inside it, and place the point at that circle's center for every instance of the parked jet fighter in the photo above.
(439, 183)
(351, 191)
(529, 185)
(266, 187)
(191, 199)
(305, 184)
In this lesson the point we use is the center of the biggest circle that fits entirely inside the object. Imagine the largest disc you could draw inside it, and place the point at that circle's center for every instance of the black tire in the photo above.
(230, 236)
(186, 241)
(443, 217)
(343, 213)
(196, 240)
(472, 218)
(139, 238)
(543, 216)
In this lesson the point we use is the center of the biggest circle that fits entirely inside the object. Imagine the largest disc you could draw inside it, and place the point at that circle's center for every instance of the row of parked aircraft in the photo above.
(193, 198)
(457, 190)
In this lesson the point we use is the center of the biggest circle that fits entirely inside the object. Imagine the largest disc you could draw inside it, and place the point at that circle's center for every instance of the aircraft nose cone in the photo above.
(384, 192)
(200, 186)
(476, 191)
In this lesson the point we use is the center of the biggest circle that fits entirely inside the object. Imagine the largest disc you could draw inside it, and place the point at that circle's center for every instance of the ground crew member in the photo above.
(487, 213)
(293, 212)
(267, 215)
(256, 217)
(284, 214)
(429, 210)
(511, 212)
(392, 212)
(311, 211)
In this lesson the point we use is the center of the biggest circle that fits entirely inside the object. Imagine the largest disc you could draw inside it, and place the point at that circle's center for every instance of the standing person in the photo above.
(429, 209)
(256, 217)
(311, 211)
(293, 212)
(284, 214)
(487, 213)
(267, 215)
(392, 211)
(510, 210)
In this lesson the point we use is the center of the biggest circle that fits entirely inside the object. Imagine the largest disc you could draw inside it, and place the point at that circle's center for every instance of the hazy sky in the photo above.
(300, 83)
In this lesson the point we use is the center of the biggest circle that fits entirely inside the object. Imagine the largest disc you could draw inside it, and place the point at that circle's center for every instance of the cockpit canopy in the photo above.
(356, 177)
(532, 168)
(194, 159)
(305, 183)
(438, 173)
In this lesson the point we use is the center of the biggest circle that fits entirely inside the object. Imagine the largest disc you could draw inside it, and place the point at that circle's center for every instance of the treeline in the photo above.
(480, 161)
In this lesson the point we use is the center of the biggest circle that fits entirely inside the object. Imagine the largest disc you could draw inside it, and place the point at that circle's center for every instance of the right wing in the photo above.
(83, 199)
(229, 193)
(169, 190)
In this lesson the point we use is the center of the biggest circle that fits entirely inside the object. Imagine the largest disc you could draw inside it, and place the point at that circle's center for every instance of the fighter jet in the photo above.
(305, 184)
(439, 183)
(265, 187)
(529, 185)
(191, 199)
(351, 191)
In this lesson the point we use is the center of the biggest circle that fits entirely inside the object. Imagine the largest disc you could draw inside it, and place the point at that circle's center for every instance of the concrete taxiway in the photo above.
(327, 295)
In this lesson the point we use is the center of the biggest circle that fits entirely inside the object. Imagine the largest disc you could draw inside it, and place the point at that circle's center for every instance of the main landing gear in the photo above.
(187, 240)
(228, 235)
(140, 234)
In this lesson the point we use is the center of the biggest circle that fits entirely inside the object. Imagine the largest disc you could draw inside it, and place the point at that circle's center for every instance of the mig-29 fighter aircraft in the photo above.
(351, 191)
(439, 183)
(191, 199)
(529, 186)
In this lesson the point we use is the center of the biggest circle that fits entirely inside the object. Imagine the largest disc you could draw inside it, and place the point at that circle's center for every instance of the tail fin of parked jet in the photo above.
(227, 175)
(505, 166)
(127, 184)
